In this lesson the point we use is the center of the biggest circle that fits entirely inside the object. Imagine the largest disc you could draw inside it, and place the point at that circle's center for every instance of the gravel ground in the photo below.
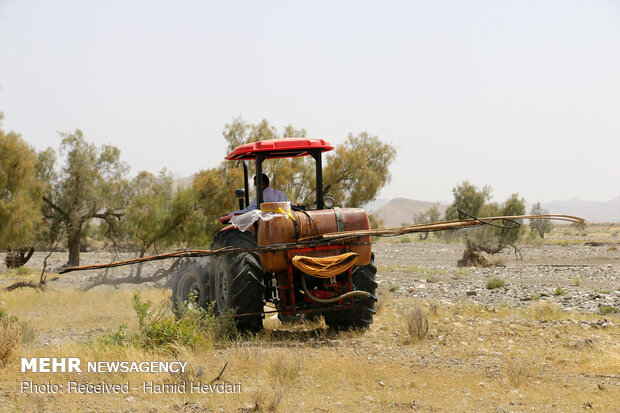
(589, 275)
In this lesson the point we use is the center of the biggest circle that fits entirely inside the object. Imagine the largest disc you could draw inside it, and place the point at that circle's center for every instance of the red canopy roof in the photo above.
(279, 148)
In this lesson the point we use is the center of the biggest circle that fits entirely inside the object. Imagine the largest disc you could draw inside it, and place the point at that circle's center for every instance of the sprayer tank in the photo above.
(283, 229)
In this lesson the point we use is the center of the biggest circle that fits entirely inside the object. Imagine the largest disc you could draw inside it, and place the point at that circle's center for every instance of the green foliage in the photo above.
(468, 198)
(536, 296)
(353, 174)
(20, 192)
(121, 337)
(511, 207)
(159, 330)
(157, 214)
(90, 184)
(357, 170)
(607, 309)
(540, 226)
(375, 221)
(576, 281)
(559, 291)
(429, 216)
(494, 282)
(474, 201)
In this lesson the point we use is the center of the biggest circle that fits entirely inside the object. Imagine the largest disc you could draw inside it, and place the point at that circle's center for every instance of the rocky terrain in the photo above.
(577, 277)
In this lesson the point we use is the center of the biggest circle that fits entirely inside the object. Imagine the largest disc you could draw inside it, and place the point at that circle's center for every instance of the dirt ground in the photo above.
(540, 343)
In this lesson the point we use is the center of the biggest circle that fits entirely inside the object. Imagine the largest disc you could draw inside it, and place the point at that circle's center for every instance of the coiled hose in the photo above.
(333, 299)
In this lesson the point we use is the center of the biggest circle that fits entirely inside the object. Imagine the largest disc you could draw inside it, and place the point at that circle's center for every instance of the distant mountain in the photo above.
(593, 211)
(375, 205)
(402, 210)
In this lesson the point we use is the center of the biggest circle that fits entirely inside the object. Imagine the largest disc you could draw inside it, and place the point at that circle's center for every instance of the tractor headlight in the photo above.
(329, 201)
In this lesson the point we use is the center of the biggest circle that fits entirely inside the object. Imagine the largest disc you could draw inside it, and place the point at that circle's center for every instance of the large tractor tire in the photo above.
(361, 315)
(192, 285)
(239, 280)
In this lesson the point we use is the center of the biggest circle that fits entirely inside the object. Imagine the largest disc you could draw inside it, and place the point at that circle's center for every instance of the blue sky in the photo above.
(520, 95)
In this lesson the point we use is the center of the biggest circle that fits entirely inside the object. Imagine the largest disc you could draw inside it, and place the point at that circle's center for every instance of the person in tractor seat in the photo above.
(269, 195)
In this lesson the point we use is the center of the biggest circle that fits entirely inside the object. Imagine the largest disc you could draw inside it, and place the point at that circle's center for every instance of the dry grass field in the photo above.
(473, 355)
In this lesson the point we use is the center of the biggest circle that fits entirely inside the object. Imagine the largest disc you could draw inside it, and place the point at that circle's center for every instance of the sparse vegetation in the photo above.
(317, 365)
(540, 226)
(417, 324)
(159, 330)
(10, 336)
(559, 291)
(545, 310)
(576, 281)
(495, 282)
(605, 309)
(516, 372)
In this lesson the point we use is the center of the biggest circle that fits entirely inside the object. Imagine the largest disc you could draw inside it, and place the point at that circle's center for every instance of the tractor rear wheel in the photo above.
(191, 285)
(363, 307)
(239, 280)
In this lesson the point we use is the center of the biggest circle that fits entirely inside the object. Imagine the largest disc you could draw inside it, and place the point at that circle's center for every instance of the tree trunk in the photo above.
(74, 246)
(139, 270)
(16, 259)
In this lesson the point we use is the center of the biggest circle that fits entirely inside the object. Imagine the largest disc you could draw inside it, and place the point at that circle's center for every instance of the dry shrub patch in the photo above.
(516, 372)
(417, 324)
(545, 310)
(10, 337)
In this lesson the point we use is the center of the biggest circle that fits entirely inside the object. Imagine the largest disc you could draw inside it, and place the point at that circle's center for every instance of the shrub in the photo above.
(545, 310)
(576, 281)
(559, 291)
(10, 336)
(22, 271)
(285, 370)
(417, 324)
(516, 372)
(494, 282)
(405, 240)
(159, 330)
(607, 309)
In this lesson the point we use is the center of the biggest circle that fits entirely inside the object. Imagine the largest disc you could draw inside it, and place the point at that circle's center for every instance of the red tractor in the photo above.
(247, 281)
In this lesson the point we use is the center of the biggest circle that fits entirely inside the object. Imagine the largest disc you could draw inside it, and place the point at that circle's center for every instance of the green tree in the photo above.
(90, 184)
(429, 216)
(157, 213)
(353, 173)
(540, 226)
(20, 193)
(474, 201)
(468, 198)
(513, 206)
(358, 169)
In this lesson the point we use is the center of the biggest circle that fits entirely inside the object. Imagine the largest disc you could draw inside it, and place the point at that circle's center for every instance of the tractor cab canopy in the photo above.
(281, 148)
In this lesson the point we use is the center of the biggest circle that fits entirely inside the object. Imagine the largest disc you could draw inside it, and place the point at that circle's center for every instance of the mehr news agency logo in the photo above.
(74, 365)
